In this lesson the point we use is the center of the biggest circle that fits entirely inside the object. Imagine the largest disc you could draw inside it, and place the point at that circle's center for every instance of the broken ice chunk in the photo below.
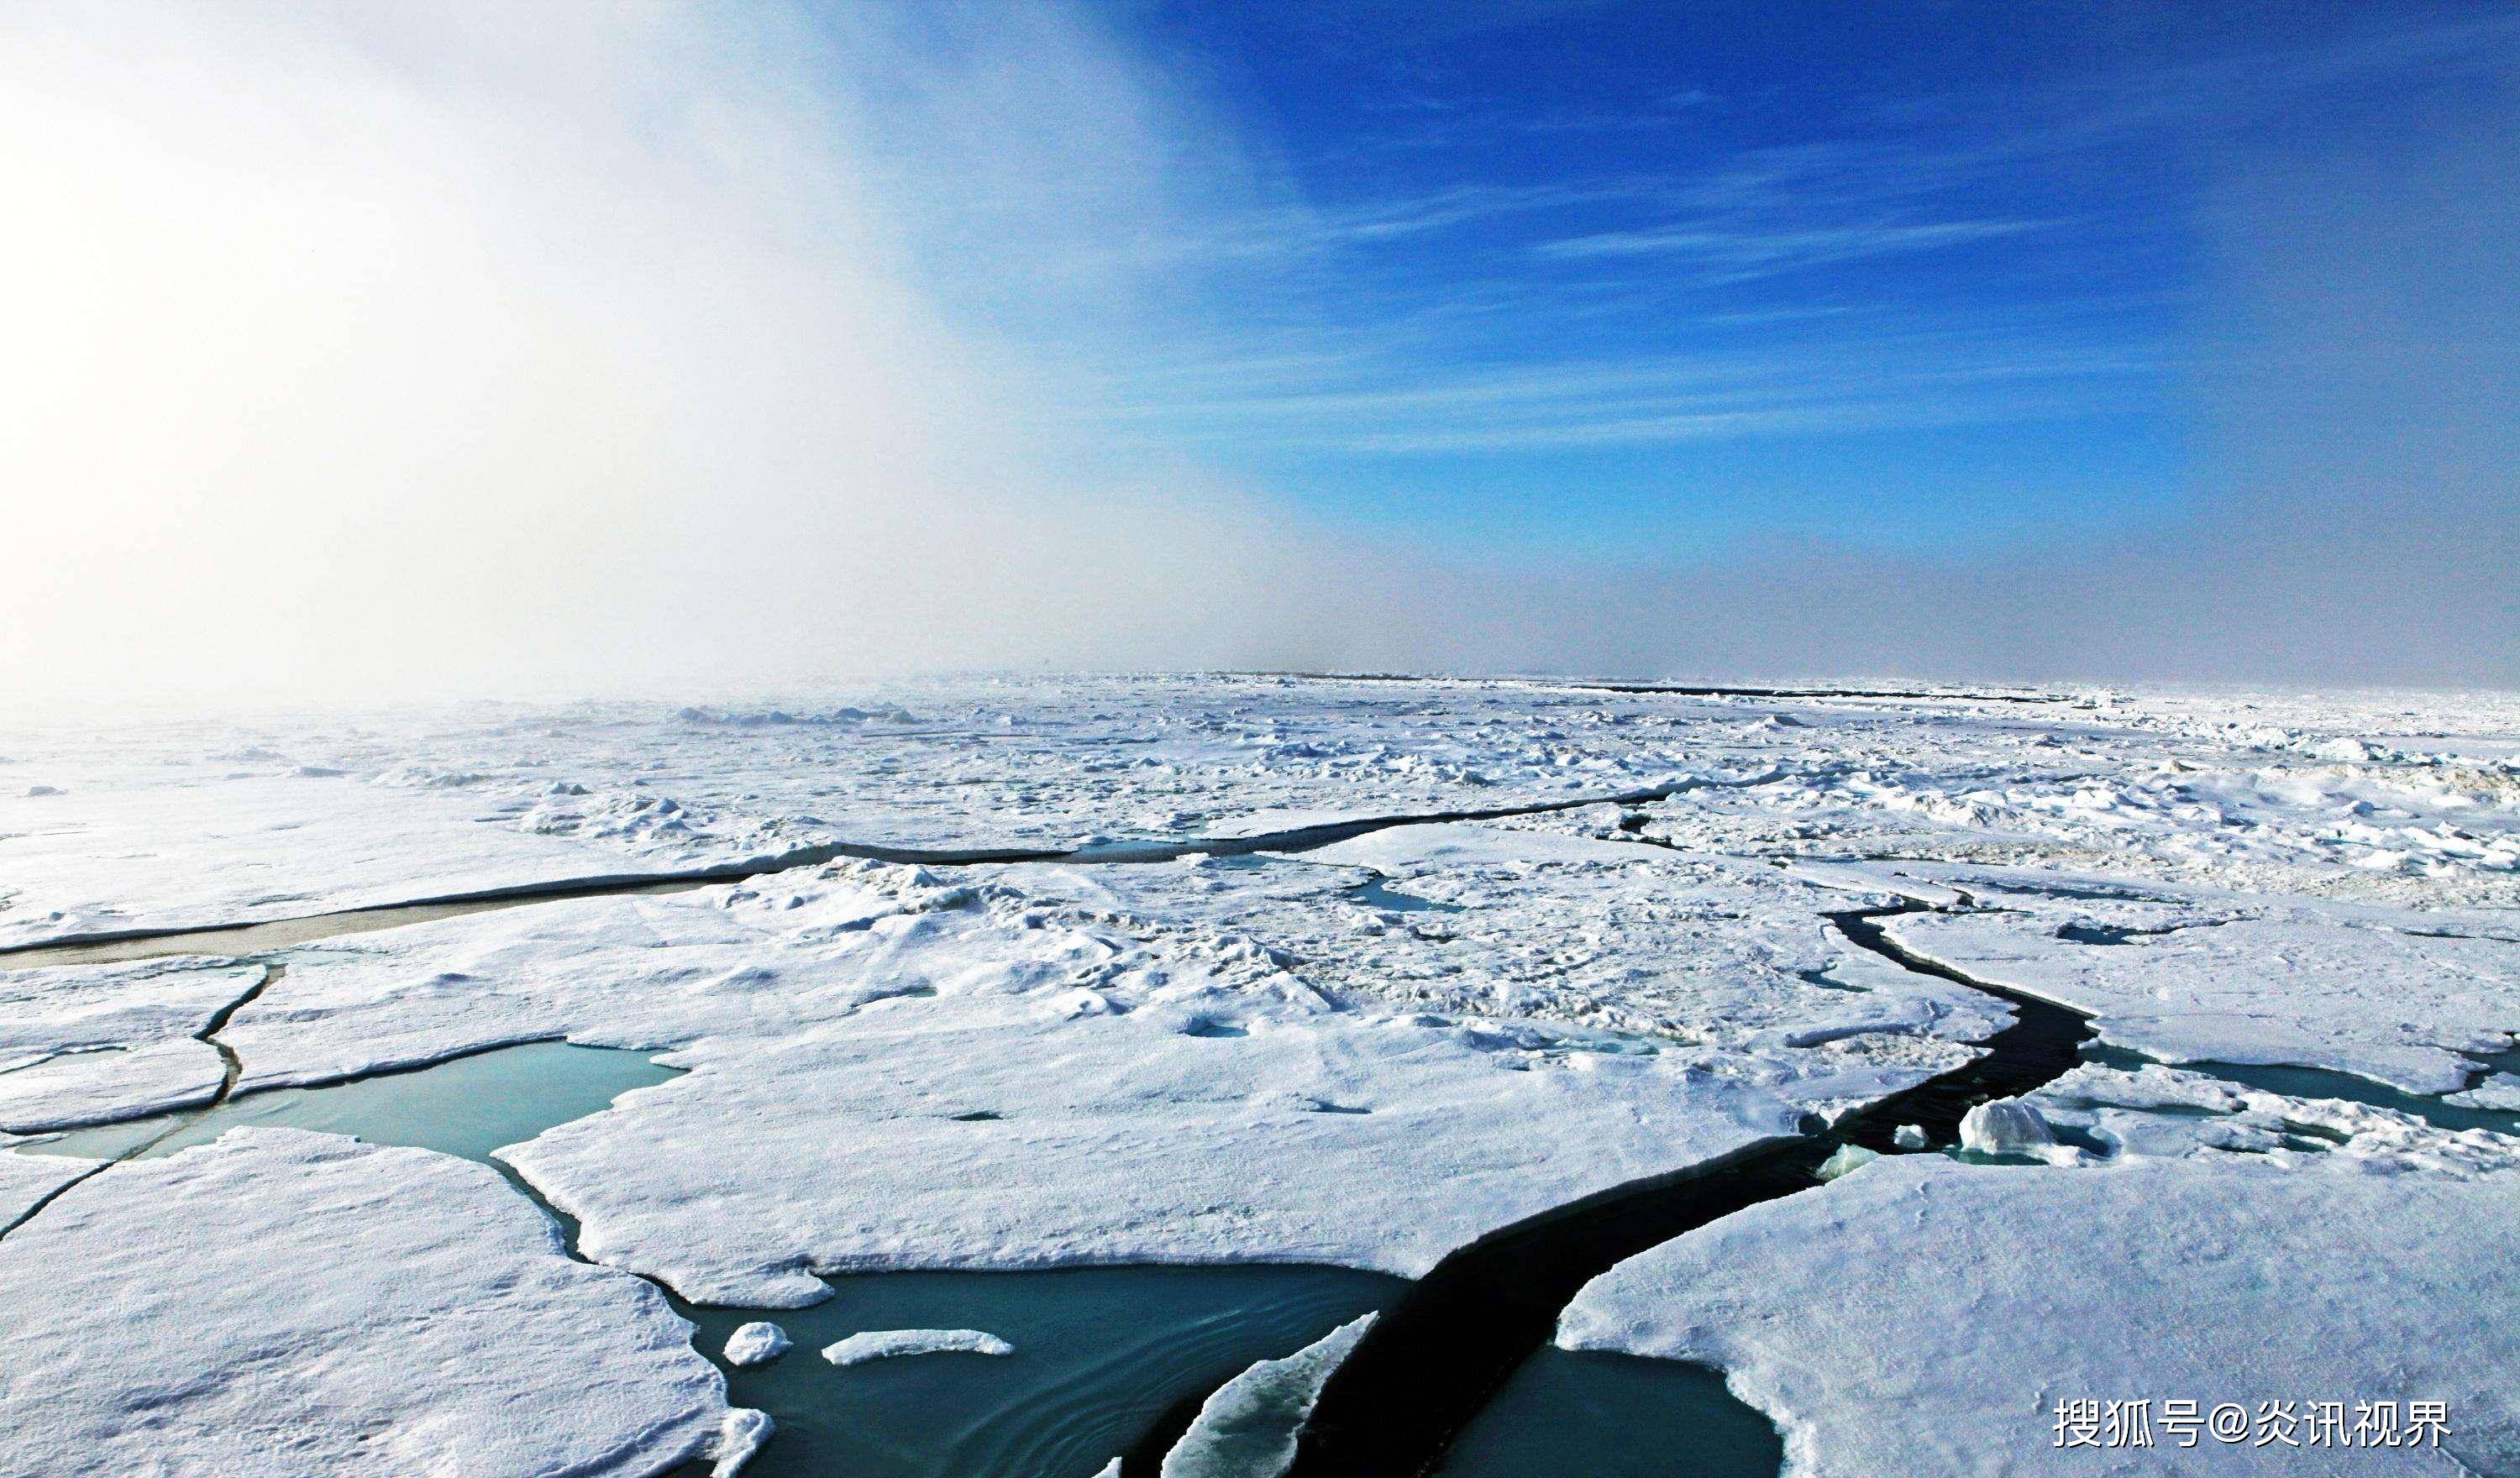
(742, 1430)
(1246, 1428)
(1910, 1137)
(757, 1344)
(883, 1344)
(2006, 1126)
(1848, 1157)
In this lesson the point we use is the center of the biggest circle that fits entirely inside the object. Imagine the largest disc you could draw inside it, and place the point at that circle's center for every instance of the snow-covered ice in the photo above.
(283, 1302)
(1002, 1132)
(25, 1180)
(2395, 995)
(755, 1344)
(887, 1344)
(739, 1437)
(2006, 1126)
(1925, 1316)
(1247, 1427)
(111, 1042)
(1364, 1054)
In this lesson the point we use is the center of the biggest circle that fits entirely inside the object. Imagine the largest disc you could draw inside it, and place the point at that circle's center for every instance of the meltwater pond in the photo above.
(1614, 1417)
(1101, 1354)
(467, 1105)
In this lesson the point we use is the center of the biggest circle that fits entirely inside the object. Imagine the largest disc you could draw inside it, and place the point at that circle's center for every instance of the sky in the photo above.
(468, 349)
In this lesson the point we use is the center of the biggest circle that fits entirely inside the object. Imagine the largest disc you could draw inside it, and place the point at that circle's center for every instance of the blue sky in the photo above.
(557, 348)
(1549, 275)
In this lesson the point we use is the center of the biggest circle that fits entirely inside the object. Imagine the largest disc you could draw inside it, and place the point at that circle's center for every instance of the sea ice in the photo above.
(82, 1044)
(26, 1179)
(1246, 1428)
(755, 1344)
(886, 1344)
(282, 1302)
(2396, 997)
(739, 1437)
(1930, 1316)
(2007, 1126)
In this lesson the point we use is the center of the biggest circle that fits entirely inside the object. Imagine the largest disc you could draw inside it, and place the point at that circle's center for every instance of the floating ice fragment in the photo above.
(1246, 1429)
(2006, 1126)
(1910, 1137)
(741, 1431)
(757, 1344)
(1849, 1158)
(2498, 1090)
(884, 1344)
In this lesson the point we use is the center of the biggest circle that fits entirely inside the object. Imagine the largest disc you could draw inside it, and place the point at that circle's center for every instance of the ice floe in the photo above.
(283, 1302)
(2399, 997)
(889, 1344)
(1246, 1428)
(1926, 1316)
(755, 1344)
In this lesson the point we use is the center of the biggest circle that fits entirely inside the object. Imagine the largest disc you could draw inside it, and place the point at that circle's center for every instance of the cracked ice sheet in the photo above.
(1040, 1065)
(79, 1046)
(2376, 799)
(25, 1180)
(153, 823)
(1924, 1316)
(1200, 1127)
(2392, 995)
(2162, 1112)
(197, 842)
(282, 1303)
(1723, 954)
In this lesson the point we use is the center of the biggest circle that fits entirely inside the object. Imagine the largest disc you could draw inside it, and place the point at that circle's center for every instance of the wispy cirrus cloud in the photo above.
(1735, 253)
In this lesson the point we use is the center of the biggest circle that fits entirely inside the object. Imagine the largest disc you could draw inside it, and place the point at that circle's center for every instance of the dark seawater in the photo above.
(1101, 1354)
(1602, 1415)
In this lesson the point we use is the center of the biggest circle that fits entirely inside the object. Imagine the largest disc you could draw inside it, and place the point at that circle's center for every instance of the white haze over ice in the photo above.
(381, 350)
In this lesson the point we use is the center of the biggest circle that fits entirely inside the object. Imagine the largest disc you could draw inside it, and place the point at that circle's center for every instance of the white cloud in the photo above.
(396, 347)
(449, 349)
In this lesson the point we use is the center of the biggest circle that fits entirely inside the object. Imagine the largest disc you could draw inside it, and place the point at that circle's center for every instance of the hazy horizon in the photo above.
(446, 353)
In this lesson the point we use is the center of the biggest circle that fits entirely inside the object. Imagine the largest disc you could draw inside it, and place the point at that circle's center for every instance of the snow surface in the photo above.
(886, 1344)
(1181, 1063)
(2399, 996)
(25, 1180)
(282, 1302)
(1925, 1316)
(1233, 1058)
(111, 1042)
(304, 813)
(1246, 1428)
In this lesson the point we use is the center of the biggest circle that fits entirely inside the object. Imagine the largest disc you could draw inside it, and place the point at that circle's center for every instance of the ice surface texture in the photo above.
(1922, 1315)
(1246, 1428)
(889, 1344)
(286, 1303)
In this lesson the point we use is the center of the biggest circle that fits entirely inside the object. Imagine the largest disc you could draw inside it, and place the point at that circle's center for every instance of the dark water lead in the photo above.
(1423, 1375)
(1102, 1356)
(465, 1106)
(1607, 1416)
